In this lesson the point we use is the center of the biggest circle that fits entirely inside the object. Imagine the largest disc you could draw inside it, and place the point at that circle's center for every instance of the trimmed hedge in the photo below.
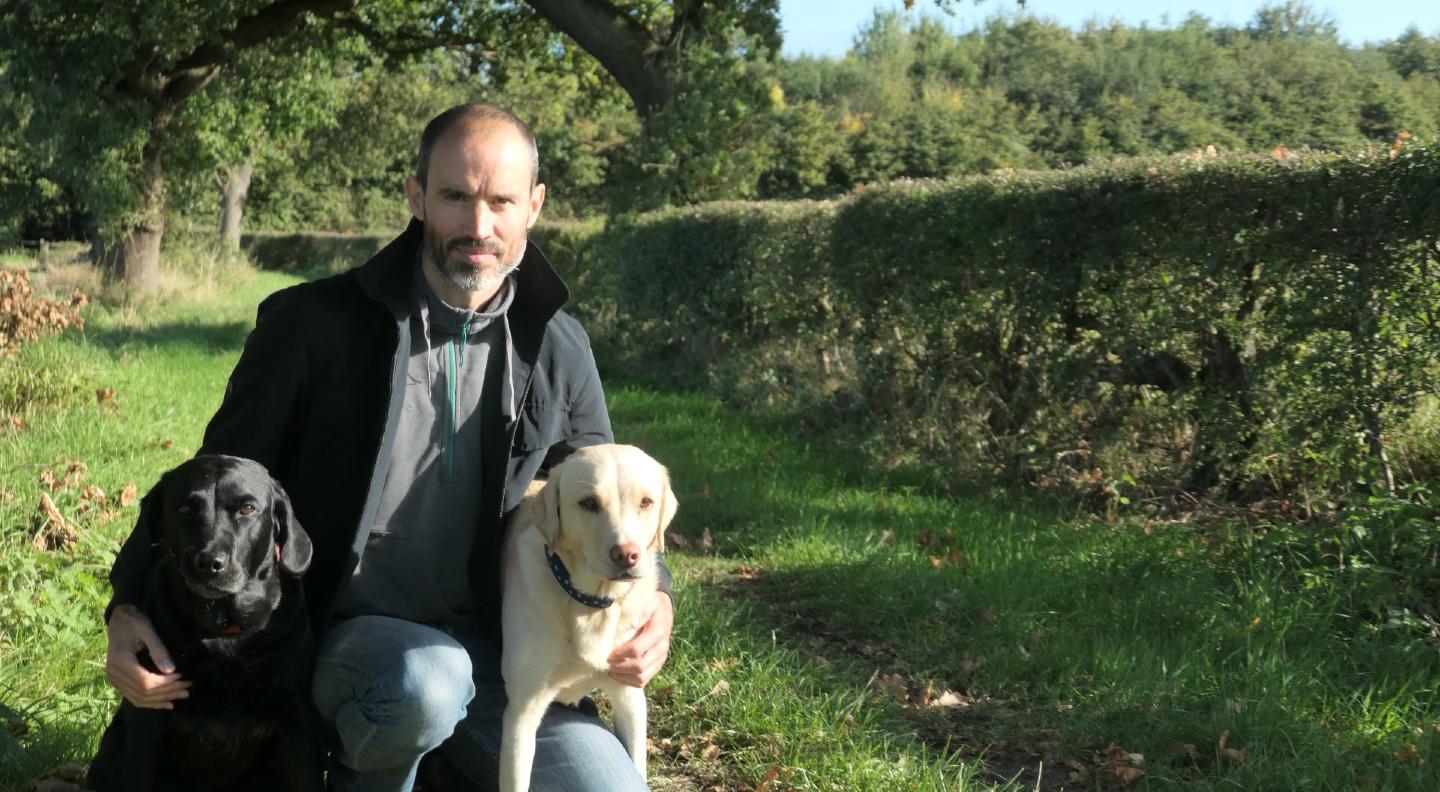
(1244, 325)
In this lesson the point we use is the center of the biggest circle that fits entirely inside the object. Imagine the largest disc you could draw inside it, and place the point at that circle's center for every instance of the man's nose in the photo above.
(482, 221)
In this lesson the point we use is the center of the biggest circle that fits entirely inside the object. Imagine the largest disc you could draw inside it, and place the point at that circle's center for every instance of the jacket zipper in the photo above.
(453, 389)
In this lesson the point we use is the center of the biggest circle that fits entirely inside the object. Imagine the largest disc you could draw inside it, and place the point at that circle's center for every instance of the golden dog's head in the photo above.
(607, 507)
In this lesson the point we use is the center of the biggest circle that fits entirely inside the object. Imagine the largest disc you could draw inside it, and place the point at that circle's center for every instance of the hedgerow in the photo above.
(1236, 326)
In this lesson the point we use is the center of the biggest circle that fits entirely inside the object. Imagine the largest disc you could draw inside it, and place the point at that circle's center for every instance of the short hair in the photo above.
(472, 113)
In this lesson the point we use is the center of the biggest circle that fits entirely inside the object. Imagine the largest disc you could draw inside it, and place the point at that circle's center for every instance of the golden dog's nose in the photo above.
(625, 555)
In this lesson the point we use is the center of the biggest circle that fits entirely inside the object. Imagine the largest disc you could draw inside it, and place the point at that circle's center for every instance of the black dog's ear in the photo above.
(141, 548)
(148, 525)
(294, 543)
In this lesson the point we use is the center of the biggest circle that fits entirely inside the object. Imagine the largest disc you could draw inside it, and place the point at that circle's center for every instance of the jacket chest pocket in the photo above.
(542, 423)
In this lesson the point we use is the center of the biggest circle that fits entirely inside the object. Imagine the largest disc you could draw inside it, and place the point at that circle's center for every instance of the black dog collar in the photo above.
(562, 576)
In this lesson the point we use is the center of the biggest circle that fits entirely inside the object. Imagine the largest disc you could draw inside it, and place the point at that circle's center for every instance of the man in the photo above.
(405, 406)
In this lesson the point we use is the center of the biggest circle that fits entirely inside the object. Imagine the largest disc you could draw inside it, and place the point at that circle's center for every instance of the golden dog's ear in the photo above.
(549, 518)
(668, 505)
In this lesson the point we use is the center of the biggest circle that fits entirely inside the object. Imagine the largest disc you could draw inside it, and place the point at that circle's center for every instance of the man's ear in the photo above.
(291, 540)
(549, 520)
(668, 505)
(415, 196)
(537, 200)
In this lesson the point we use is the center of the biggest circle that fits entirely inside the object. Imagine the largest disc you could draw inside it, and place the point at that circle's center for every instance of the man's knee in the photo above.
(393, 696)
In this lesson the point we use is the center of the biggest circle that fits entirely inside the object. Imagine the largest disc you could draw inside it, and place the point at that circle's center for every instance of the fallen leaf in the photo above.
(127, 496)
(47, 479)
(166, 445)
(103, 395)
(720, 687)
(971, 664)
(1234, 755)
(94, 494)
(1127, 774)
(706, 541)
(948, 699)
(893, 685)
(957, 558)
(768, 779)
(711, 752)
(54, 531)
(887, 536)
(722, 663)
(17, 423)
(928, 694)
(924, 538)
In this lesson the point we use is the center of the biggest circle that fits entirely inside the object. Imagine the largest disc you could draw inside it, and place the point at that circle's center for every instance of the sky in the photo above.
(827, 27)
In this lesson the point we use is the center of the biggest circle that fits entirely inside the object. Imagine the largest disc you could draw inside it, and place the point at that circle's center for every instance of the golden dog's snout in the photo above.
(625, 555)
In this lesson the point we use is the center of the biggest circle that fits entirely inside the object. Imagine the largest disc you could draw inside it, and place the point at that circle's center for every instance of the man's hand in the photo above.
(636, 662)
(130, 631)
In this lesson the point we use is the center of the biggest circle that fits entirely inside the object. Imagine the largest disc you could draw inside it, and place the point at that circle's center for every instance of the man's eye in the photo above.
(246, 510)
(590, 505)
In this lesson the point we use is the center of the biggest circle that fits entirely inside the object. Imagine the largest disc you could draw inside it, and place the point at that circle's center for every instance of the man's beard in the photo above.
(463, 275)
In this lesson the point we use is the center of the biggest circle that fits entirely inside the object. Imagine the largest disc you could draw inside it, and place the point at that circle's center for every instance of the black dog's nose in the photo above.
(209, 564)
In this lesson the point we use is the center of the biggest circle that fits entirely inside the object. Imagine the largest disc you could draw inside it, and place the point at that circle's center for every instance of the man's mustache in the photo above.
(471, 242)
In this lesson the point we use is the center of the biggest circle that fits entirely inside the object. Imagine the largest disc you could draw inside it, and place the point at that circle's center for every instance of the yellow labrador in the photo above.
(579, 579)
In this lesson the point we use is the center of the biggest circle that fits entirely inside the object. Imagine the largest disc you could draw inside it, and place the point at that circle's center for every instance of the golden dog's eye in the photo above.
(246, 510)
(590, 504)
(646, 503)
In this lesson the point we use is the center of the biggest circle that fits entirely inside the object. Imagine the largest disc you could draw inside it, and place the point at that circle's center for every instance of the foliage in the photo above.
(1237, 325)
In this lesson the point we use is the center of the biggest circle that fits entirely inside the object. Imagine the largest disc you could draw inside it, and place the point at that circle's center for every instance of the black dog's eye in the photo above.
(590, 505)
(646, 503)
(186, 510)
(246, 510)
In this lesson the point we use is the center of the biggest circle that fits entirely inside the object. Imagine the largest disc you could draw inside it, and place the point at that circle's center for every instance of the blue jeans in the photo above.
(394, 690)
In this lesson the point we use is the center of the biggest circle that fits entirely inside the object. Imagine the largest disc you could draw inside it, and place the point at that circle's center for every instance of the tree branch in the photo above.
(624, 48)
(196, 70)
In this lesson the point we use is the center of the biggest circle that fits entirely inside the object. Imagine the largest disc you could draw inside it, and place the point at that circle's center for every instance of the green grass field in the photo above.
(838, 628)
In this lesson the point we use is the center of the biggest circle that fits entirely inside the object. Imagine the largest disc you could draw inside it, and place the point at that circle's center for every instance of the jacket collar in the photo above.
(386, 277)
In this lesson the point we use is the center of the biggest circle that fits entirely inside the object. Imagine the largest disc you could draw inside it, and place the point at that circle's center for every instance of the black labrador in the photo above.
(223, 590)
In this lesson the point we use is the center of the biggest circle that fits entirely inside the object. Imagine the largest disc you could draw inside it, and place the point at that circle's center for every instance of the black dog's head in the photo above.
(227, 528)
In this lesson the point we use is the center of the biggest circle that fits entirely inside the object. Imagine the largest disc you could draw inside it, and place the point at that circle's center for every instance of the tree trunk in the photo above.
(134, 258)
(232, 204)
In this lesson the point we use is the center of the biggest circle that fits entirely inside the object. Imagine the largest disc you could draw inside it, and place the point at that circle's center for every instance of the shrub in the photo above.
(1239, 325)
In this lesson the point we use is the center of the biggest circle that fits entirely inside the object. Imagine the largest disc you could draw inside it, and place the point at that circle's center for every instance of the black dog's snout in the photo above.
(209, 564)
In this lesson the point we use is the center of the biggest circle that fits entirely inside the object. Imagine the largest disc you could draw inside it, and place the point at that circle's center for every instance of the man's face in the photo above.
(477, 205)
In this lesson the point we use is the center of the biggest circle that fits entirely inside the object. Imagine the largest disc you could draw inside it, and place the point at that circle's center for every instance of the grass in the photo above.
(821, 623)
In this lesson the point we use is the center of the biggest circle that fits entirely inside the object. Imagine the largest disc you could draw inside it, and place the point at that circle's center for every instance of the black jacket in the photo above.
(318, 390)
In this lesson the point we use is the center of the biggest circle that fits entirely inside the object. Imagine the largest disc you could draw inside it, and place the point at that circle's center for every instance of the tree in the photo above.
(106, 80)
